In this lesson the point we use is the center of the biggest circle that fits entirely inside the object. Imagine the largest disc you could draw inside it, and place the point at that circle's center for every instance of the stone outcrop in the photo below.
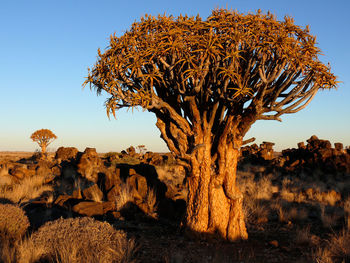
(66, 153)
(89, 165)
(256, 153)
(316, 156)
(319, 155)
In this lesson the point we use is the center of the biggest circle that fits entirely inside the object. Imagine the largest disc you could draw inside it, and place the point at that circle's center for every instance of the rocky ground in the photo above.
(296, 203)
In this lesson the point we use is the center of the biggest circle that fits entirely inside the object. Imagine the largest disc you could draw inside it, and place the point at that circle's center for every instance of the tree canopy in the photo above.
(196, 71)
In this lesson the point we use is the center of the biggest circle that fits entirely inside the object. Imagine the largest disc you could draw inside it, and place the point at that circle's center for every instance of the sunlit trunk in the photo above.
(43, 148)
(214, 201)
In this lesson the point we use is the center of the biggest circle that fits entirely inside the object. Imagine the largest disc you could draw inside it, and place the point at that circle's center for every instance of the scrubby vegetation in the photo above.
(88, 207)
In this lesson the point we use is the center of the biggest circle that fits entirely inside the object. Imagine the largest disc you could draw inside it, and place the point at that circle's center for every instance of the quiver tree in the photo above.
(207, 82)
(43, 137)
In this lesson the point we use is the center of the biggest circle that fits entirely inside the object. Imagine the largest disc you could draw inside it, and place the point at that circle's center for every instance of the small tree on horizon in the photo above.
(207, 81)
(43, 137)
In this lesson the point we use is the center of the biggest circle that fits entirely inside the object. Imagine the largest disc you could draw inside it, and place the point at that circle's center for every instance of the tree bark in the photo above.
(214, 204)
(43, 148)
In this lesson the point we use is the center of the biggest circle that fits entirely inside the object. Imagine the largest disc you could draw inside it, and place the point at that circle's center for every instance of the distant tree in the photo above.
(142, 149)
(207, 81)
(43, 137)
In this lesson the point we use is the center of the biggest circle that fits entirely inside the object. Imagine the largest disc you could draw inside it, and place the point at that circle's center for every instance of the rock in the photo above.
(108, 206)
(77, 194)
(274, 243)
(88, 208)
(132, 172)
(93, 193)
(131, 151)
(90, 164)
(301, 145)
(90, 152)
(338, 146)
(43, 169)
(66, 153)
(138, 185)
(60, 200)
(69, 172)
(20, 172)
(111, 195)
(112, 179)
(55, 171)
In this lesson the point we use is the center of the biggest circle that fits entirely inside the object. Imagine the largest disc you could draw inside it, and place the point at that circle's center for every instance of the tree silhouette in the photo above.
(43, 137)
(207, 81)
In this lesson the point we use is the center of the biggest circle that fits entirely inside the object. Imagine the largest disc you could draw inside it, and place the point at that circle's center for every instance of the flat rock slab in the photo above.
(89, 208)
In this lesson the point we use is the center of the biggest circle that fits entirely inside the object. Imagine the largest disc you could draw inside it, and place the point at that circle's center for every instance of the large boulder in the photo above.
(138, 186)
(66, 153)
(90, 165)
(111, 179)
(21, 171)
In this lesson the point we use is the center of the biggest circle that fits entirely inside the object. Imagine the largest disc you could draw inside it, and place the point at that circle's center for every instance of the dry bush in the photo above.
(151, 201)
(303, 236)
(257, 189)
(13, 221)
(124, 196)
(27, 189)
(79, 240)
(7, 250)
(29, 252)
(329, 219)
(127, 195)
(255, 211)
(336, 250)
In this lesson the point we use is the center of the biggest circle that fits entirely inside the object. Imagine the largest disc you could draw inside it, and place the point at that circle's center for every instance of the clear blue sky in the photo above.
(47, 45)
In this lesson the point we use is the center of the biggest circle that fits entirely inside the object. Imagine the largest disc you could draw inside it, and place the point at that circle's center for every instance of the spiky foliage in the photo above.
(230, 64)
(43, 137)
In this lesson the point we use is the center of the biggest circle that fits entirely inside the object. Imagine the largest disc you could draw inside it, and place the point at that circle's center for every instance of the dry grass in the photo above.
(7, 250)
(151, 201)
(29, 252)
(6, 180)
(303, 236)
(27, 189)
(329, 218)
(127, 195)
(77, 240)
(124, 196)
(336, 250)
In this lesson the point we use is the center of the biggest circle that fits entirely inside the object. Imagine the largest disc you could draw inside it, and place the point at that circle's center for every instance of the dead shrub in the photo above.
(13, 222)
(255, 211)
(27, 189)
(29, 252)
(7, 250)
(124, 196)
(151, 202)
(336, 250)
(81, 240)
(303, 236)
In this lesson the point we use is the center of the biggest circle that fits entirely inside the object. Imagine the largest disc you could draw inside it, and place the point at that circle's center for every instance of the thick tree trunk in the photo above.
(43, 148)
(215, 202)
